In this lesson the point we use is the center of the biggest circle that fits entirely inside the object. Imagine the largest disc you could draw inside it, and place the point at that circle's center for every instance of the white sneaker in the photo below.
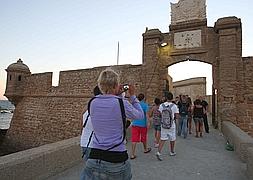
(173, 153)
(158, 155)
(156, 145)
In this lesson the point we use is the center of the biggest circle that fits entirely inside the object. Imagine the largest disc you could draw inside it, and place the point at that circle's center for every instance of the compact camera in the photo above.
(125, 87)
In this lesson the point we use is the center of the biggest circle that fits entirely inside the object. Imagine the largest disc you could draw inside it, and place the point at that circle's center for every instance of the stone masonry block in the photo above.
(241, 140)
(41, 162)
(250, 163)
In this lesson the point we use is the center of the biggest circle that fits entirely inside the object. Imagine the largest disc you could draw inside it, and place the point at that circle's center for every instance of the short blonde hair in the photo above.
(108, 80)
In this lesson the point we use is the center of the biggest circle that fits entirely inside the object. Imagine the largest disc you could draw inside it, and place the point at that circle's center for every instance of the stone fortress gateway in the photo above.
(46, 114)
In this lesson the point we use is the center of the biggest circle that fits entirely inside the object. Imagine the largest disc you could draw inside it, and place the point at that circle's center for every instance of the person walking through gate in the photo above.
(155, 114)
(205, 105)
(168, 133)
(198, 113)
(183, 116)
(189, 102)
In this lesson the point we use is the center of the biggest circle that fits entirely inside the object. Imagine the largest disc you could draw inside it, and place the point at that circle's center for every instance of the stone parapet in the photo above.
(152, 34)
(41, 162)
(227, 23)
(188, 25)
(250, 163)
(239, 139)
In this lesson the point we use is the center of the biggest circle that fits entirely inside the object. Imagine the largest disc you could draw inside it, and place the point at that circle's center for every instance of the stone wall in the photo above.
(37, 84)
(245, 103)
(48, 114)
(242, 144)
(42, 162)
(193, 87)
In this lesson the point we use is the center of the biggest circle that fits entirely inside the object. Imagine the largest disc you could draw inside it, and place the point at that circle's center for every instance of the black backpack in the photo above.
(183, 109)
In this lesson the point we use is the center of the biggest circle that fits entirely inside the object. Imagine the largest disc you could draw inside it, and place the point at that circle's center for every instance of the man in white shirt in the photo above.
(168, 134)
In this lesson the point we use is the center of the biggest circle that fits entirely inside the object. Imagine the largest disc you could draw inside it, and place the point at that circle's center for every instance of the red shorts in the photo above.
(139, 134)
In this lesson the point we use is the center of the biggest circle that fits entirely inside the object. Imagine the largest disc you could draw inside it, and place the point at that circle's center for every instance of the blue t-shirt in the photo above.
(141, 122)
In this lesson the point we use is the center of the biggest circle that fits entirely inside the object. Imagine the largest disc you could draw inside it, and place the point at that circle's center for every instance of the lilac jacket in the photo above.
(107, 121)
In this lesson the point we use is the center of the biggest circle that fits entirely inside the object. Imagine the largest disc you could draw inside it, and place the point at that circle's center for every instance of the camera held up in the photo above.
(125, 87)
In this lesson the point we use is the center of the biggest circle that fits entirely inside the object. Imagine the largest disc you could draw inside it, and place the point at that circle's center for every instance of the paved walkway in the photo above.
(197, 159)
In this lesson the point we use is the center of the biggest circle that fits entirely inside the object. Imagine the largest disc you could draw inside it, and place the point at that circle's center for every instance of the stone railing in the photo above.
(250, 163)
(41, 162)
(242, 142)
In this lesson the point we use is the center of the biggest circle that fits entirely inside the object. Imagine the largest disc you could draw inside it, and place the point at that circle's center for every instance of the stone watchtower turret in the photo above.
(16, 73)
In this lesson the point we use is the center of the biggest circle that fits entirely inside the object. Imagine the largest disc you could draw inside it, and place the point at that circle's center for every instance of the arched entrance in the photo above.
(219, 46)
(193, 78)
(189, 55)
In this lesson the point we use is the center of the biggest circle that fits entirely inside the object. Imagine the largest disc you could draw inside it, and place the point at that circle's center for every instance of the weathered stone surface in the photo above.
(250, 163)
(194, 87)
(239, 139)
(188, 10)
(41, 162)
(47, 114)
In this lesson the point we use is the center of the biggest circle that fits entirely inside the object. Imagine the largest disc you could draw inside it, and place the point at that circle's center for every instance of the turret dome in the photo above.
(18, 66)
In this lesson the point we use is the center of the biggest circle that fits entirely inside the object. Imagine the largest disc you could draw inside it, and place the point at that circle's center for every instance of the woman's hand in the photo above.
(131, 89)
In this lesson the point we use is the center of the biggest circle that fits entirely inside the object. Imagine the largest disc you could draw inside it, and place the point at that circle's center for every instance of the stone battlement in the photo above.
(41, 162)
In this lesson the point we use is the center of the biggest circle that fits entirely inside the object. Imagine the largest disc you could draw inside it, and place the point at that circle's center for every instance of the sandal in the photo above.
(148, 150)
(133, 157)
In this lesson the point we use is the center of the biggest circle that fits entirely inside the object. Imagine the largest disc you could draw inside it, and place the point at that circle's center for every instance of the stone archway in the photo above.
(192, 39)
(197, 81)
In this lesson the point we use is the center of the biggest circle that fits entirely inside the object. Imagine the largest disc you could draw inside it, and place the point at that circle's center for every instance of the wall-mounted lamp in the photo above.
(164, 44)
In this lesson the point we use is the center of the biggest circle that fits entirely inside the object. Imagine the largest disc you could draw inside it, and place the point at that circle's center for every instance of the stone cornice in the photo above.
(188, 24)
(227, 23)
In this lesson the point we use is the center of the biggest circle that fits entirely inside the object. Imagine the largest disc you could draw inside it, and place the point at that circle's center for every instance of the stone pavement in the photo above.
(197, 159)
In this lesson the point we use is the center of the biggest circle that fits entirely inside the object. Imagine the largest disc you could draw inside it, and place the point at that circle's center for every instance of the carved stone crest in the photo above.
(186, 10)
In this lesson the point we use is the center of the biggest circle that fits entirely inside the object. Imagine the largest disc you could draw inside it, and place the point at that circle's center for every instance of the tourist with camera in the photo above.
(108, 156)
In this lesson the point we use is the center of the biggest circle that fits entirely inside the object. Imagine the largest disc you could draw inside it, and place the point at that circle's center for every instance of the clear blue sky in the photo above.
(55, 35)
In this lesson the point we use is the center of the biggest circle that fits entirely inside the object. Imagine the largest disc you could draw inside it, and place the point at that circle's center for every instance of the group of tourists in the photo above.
(112, 110)
(188, 111)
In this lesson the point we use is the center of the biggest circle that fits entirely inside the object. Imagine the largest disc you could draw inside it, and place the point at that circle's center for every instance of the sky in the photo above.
(52, 36)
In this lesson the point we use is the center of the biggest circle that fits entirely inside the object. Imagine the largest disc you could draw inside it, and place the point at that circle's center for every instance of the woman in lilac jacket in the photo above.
(108, 157)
